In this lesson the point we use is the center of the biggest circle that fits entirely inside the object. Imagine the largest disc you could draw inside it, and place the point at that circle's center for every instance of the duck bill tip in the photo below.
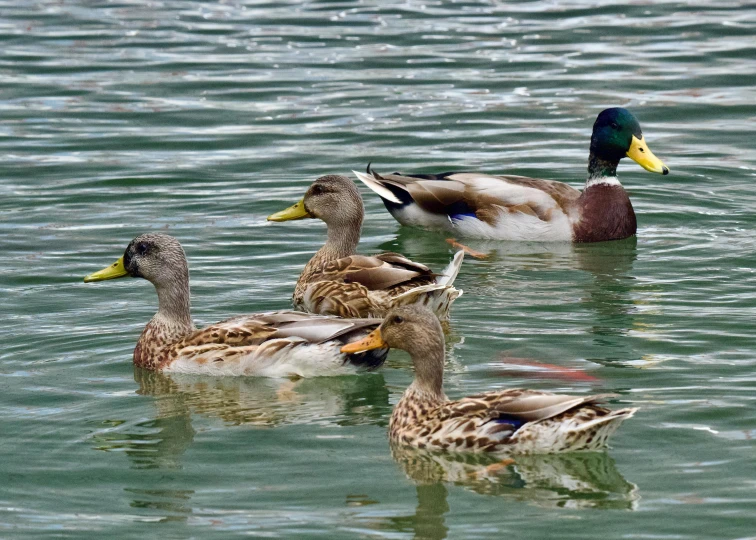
(640, 154)
(372, 341)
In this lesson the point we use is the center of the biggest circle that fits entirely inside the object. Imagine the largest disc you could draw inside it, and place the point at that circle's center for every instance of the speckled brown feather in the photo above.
(269, 344)
(359, 286)
(504, 421)
(337, 281)
(236, 338)
(480, 423)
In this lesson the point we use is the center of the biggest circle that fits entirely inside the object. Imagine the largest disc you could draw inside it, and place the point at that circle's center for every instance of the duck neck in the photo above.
(172, 322)
(428, 359)
(174, 305)
(601, 171)
(343, 237)
(604, 208)
(173, 319)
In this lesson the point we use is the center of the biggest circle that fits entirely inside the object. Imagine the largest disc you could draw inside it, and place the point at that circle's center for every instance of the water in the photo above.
(201, 118)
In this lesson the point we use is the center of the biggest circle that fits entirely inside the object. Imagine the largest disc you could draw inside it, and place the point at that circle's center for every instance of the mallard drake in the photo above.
(337, 281)
(274, 344)
(503, 421)
(509, 207)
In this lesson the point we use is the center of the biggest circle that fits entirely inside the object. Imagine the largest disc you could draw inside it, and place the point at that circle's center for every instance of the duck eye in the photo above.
(317, 189)
(397, 319)
(614, 125)
(142, 248)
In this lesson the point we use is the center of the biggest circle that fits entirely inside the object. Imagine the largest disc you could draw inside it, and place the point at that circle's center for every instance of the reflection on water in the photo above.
(266, 402)
(250, 401)
(162, 441)
(577, 480)
(587, 480)
(157, 443)
(173, 504)
(428, 522)
(609, 296)
(595, 278)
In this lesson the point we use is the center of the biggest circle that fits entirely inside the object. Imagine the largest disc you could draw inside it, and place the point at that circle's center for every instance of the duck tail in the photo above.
(372, 180)
(452, 269)
(600, 429)
(438, 296)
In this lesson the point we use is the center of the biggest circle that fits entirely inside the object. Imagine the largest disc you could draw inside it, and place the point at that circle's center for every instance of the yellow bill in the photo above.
(372, 341)
(296, 211)
(115, 270)
(640, 154)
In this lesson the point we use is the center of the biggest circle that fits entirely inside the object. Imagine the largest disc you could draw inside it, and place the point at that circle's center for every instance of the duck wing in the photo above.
(492, 418)
(378, 273)
(484, 196)
(273, 344)
(522, 405)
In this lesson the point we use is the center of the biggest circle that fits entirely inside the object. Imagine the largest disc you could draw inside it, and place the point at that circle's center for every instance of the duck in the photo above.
(338, 281)
(518, 208)
(509, 421)
(271, 344)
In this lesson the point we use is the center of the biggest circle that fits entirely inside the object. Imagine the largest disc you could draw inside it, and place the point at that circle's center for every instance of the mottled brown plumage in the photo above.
(267, 344)
(337, 281)
(502, 421)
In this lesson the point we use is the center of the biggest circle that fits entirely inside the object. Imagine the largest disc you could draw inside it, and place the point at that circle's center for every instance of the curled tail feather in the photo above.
(451, 270)
(377, 187)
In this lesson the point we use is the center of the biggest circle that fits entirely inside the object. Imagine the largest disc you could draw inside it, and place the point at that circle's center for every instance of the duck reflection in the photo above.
(266, 402)
(610, 296)
(576, 480)
(609, 293)
(251, 401)
(427, 523)
(157, 443)
(171, 504)
(161, 442)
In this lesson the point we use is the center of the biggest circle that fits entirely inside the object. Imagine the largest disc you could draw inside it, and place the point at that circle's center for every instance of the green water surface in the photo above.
(201, 118)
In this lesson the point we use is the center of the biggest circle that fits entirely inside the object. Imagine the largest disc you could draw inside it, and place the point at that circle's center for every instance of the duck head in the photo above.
(156, 257)
(617, 134)
(414, 329)
(331, 198)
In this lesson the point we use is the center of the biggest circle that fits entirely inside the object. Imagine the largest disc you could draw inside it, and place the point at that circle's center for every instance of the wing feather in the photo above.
(377, 273)
(525, 405)
(483, 195)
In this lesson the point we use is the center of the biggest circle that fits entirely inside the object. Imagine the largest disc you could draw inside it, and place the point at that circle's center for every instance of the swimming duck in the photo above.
(337, 281)
(510, 207)
(274, 344)
(503, 421)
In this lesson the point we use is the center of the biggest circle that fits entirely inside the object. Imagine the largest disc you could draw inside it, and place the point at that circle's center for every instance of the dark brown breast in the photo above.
(605, 214)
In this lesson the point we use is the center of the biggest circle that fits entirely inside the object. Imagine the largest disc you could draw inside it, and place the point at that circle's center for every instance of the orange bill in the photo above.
(372, 341)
